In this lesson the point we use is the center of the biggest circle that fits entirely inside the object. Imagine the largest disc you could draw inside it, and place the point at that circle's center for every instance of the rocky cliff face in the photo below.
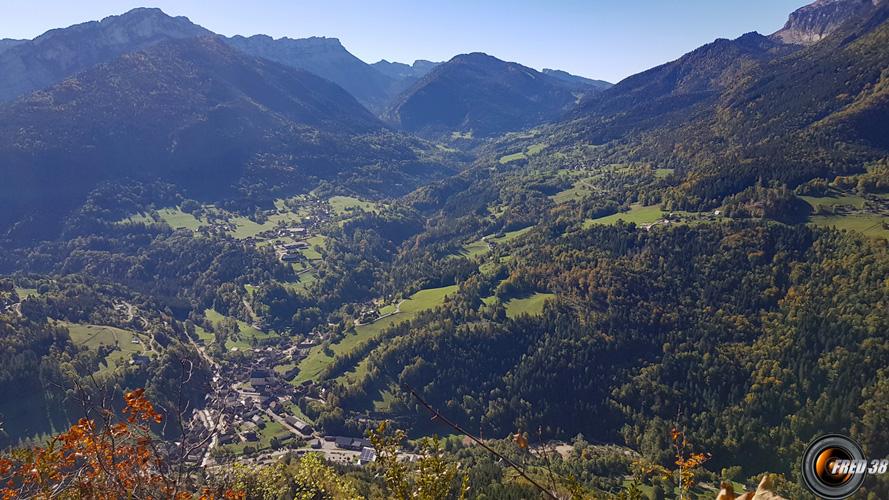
(398, 70)
(325, 57)
(403, 75)
(812, 23)
(30, 65)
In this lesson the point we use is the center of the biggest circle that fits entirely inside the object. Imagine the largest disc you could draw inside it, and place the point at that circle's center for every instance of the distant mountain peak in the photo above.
(193, 110)
(29, 65)
(482, 94)
(814, 22)
(141, 12)
(325, 57)
(476, 57)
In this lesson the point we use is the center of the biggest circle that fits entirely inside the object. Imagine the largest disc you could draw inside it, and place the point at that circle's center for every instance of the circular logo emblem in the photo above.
(834, 467)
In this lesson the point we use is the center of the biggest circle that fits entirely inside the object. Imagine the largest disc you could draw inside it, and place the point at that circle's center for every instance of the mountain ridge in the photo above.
(580, 82)
(326, 57)
(735, 121)
(59, 53)
(179, 110)
(481, 94)
(814, 22)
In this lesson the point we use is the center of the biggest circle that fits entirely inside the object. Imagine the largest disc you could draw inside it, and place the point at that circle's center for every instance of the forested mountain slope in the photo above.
(194, 112)
(28, 65)
(733, 112)
(578, 82)
(480, 95)
(725, 329)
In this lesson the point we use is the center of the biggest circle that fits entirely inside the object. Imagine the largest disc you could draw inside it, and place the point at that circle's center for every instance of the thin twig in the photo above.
(438, 416)
(549, 469)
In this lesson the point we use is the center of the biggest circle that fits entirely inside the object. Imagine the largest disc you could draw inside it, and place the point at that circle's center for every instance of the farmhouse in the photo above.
(304, 428)
(349, 443)
(258, 421)
(291, 257)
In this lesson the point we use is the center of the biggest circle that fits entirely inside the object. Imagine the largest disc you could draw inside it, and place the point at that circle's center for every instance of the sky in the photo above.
(602, 39)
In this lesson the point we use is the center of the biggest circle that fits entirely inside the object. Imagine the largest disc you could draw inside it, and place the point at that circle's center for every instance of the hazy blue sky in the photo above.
(607, 39)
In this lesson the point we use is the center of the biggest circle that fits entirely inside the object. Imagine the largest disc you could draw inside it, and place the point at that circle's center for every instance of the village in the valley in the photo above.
(252, 412)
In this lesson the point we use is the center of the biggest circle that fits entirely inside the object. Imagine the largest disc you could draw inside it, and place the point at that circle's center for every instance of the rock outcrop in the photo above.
(814, 22)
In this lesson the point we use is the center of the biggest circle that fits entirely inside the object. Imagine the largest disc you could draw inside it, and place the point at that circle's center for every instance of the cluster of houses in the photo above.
(246, 409)
(368, 313)
(297, 235)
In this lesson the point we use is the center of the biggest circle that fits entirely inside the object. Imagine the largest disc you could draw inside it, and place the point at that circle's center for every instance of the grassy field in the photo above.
(578, 191)
(660, 173)
(512, 157)
(24, 293)
(174, 217)
(581, 185)
(310, 253)
(246, 228)
(345, 204)
(871, 225)
(247, 332)
(384, 401)
(511, 235)
(637, 214)
(282, 369)
(204, 335)
(317, 360)
(243, 226)
(479, 247)
(298, 413)
(474, 249)
(530, 151)
(532, 305)
(304, 280)
(94, 336)
(265, 436)
(834, 201)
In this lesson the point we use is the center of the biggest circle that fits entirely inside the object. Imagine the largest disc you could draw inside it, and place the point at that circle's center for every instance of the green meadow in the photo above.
(345, 204)
(521, 155)
(318, 360)
(246, 336)
(871, 225)
(637, 214)
(95, 336)
(532, 305)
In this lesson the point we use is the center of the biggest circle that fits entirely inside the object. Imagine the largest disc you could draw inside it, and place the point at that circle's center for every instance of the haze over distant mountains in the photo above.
(28, 65)
(482, 95)
(195, 112)
(124, 97)
(326, 57)
(34, 64)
